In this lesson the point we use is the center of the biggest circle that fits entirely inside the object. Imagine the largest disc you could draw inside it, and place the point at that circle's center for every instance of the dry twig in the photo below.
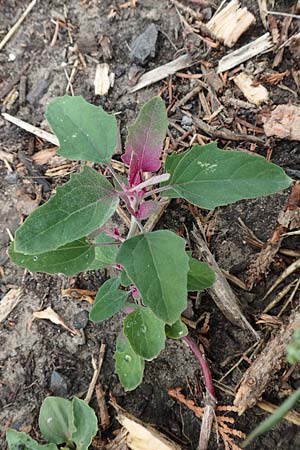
(97, 369)
(17, 24)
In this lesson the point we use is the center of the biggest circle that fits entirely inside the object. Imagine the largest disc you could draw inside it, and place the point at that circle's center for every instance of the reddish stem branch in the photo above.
(206, 373)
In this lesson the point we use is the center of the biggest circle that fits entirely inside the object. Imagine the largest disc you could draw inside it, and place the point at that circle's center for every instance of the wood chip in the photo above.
(163, 71)
(263, 12)
(230, 23)
(254, 93)
(258, 376)
(43, 156)
(102, 80)
(260, 45)
(142, 436)
(284, 122)
(9, 302)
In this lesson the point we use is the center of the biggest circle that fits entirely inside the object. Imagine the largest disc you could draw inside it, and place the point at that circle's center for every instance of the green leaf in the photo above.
(105, 255)
(274, 418)
(145, 332)
(177, 330)
(200, 275)
(86, 423)
(83, 204)
(109, 300)
(129, 365)
(157, 264)
(85, 132)
(209, 177)
(56, 420)
(69, 259)
(125, 281)
(21, 441)
(145, 139)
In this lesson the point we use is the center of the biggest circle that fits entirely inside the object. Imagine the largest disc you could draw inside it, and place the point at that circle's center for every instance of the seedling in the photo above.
(68, 234)
(69, 422)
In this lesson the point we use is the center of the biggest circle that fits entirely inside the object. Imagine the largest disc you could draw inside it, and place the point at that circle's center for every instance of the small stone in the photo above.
(80, 320)
(38, 90)
(11, 178)
(11, 57)
(144, 46)
(58, 384)
(207, 13)
(186, 122)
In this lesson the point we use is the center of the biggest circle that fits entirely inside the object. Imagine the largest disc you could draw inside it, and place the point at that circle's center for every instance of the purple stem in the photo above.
(206, 373)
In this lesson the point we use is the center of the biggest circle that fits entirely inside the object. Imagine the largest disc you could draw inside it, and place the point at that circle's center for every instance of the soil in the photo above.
(30, 352)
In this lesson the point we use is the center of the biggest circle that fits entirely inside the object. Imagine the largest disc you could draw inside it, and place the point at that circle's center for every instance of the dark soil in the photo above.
(29, 355)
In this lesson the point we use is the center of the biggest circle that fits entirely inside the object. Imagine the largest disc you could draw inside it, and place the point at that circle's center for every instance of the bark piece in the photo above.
(284, 122)
(256, 94)
(258, 376)
(242, 54)
(230, 23)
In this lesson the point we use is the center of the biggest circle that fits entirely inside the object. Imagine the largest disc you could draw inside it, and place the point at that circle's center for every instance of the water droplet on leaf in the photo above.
(127, 358)
(35, 258)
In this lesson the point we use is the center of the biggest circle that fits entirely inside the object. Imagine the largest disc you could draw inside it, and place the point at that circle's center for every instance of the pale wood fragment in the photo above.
(256, 94)
(284, 122)
(9, 302)
(163, 71)
(242, 54)
(102, 80)
(142, 436)
(230, 23)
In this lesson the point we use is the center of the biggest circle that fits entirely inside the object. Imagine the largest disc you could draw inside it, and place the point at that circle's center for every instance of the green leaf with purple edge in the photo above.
(145, 140)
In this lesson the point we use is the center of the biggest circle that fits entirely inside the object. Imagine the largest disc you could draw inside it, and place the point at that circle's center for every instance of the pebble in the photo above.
(186, 122)
(58, 384)
(11, 178)
(144, 46)
(38, 90)
(80, 320)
